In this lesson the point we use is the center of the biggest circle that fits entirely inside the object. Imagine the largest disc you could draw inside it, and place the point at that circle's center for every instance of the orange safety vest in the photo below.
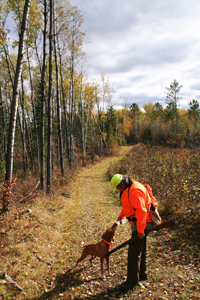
(135, 201)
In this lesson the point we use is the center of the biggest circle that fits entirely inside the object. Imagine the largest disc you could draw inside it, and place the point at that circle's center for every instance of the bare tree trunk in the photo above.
(71, 95)
(60, 135)
(35, 133)
(42, 138)
(176, 108)
(23, 129)
(49, 136)
(14, 105)
(3, 123)
(29, 138)
(71, 104)
(64, 103)
(84, 125)
(99, 128)
(122, 128)
(10, 65)
(84, 121)
(116, 126)
(36, 47)
(123, 119)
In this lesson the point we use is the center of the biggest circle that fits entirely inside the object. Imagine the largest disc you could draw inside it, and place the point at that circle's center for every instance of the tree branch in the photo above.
(41, 259)
(13, 283)
(23, 200)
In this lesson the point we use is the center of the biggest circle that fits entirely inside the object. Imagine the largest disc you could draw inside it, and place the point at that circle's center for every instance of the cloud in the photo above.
(142, 46)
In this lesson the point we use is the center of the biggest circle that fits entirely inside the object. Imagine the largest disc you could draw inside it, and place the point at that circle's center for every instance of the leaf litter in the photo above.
(62, 233)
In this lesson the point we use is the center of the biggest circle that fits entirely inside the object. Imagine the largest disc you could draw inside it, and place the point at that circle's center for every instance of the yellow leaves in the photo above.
(89, 293)
(127, 125)
(148, 108)
(2, 39)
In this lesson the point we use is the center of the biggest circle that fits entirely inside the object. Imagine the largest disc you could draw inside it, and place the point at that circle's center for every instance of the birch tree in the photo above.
(60, 134)
(14, 104)
(49, 135)
(75, 54)
(42, 100)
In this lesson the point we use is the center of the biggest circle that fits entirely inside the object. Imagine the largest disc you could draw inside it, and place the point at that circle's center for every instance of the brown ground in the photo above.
(54, 232)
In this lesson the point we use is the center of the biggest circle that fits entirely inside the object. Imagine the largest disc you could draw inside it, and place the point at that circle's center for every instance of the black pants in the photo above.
(137, 259)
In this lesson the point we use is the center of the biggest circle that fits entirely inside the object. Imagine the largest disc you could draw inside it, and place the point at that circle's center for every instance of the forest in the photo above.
(52, 117)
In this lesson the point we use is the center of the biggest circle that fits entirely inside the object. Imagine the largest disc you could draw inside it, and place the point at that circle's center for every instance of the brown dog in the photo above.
(100, 249)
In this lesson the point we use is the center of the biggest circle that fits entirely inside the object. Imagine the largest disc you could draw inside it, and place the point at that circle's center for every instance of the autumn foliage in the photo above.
(7, 192)
(174, 176)
(42, 238)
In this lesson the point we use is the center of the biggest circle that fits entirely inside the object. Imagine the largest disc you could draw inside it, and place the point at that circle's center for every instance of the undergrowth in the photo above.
(174, 175)
(41, 237)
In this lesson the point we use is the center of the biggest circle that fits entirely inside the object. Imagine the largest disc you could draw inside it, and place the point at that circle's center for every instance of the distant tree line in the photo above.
(153, 124)
(51, 115)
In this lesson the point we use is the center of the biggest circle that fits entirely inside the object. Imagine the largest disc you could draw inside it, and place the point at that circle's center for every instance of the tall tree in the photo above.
(23, 127)
(60, 135)
(135, 113)
(111, 126)
(194, 110)
(157, 111)
(75, 41)
(194, 117)
(149, 107)
(42, 100)
(172, 100)
(83, 116)
(124, 113)
(49, 135)
(3, 127)
(14, 104)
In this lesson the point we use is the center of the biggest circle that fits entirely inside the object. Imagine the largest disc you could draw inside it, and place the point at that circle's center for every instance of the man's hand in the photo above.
(141, 235)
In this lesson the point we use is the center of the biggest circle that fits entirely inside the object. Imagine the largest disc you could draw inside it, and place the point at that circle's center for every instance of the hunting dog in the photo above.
(100, 249)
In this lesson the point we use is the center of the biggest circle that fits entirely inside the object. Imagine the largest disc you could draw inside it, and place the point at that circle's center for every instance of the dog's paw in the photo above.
(110, 274)
(103, 277)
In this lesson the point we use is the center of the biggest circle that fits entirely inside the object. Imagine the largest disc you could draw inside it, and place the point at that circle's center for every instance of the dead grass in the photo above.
(40, 247)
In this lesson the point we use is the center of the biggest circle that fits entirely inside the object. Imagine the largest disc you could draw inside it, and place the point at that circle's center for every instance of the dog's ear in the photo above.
(114, 226)
(103, 236)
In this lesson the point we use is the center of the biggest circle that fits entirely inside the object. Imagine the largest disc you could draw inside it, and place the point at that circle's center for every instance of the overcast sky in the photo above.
(142, 46)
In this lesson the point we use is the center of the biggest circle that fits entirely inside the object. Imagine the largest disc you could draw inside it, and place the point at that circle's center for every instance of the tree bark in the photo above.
(49, 136)
(23, 129)
(3, 123)
(35, 132)
(14, 105)
(97, 125)
(83, 119)
(60, 134)
(42, 138)
(64, 104)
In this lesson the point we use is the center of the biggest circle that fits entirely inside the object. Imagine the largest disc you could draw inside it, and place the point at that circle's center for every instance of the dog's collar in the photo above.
(109, 243)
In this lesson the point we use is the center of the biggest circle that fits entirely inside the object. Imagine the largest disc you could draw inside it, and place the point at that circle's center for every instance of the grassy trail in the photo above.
(92, 198)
